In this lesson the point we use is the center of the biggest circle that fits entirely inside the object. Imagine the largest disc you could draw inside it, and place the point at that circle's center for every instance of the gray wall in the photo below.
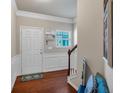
(90, 39)
(90, 34)
(13, 29)
(42, 23)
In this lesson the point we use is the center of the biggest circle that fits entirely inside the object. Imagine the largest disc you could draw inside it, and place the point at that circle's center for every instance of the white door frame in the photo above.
(42, 29)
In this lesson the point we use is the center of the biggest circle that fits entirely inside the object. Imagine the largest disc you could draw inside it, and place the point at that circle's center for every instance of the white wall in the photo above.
(108, 73)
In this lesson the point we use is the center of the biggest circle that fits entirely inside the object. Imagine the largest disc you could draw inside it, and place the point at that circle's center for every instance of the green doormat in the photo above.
(32, 77)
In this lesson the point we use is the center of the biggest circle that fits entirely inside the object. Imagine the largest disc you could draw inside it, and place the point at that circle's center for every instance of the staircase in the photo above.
(72, 65)
(72, 57)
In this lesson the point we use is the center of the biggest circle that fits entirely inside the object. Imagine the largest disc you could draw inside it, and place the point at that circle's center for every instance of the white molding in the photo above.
(55, 69)
(15, 68)
(55, 54)
(108, 74)
(43, 16)
(69, 82)
(105, 60)
(53, 59)
(13, 3)
(72, 76)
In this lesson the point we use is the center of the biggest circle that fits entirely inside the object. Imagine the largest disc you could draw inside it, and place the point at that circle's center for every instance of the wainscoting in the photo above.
(55, 61)
(15, 68)
(51, 62)
(108, 72)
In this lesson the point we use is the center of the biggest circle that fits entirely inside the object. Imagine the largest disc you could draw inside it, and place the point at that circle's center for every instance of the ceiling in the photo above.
(59, 8)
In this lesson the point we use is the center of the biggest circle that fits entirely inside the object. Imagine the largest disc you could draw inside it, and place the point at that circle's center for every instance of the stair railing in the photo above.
(69, 59)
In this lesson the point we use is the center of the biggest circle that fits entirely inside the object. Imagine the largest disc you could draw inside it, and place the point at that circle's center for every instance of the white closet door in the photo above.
(32, 50)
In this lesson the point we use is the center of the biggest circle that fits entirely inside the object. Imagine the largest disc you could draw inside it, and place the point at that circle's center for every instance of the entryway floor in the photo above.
(52, 82)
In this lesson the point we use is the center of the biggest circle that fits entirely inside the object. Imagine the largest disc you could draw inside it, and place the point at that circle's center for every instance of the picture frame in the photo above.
(108, 32)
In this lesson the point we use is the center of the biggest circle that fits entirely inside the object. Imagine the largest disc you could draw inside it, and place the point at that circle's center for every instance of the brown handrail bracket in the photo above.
(69, 54)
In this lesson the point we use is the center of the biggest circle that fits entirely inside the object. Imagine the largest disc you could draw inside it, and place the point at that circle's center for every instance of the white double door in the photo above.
(31, 50)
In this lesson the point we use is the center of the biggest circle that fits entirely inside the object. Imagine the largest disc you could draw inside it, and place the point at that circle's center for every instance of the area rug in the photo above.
(32, 77)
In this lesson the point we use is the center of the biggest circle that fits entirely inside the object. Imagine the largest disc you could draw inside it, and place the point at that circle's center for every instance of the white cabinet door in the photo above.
(32, 50)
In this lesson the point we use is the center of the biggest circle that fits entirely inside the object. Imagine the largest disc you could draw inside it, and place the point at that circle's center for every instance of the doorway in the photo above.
(31, 50)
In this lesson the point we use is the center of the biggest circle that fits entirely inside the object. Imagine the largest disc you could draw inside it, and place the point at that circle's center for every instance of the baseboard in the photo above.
(15, 69)
(54, 69)
(13, 83)
(70, 83)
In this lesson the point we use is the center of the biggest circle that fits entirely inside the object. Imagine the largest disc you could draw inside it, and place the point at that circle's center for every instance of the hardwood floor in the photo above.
(53, 82)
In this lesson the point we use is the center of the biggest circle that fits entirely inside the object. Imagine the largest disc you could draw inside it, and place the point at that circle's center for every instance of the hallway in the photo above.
(53, 82)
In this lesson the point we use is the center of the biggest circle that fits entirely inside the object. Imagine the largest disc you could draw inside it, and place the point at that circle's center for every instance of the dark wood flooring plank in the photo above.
(53, 82)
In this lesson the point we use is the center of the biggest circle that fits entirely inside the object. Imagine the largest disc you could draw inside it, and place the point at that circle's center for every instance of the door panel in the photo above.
(32, 48)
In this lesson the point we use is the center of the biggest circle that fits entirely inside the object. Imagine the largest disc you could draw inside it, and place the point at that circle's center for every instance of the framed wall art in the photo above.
(108, 32)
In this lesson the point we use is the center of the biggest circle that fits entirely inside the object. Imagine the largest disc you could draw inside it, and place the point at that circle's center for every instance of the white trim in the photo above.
(72, 76)
(15, 69)
(105, 60)
(21, 47)
(14, 4)
(108, 73)
(43, 16)
(69, 82)
(49, 55)
(55, 69)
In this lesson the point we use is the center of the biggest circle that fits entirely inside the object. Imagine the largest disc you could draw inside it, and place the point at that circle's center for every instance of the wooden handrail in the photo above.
(69, 54)
(71, 50)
